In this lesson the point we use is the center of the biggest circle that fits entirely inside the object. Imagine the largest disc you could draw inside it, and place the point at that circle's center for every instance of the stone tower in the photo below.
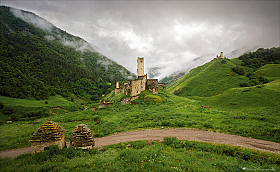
(140, 66)
(222, 55)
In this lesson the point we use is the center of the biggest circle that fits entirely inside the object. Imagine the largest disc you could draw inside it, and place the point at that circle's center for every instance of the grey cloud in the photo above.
(124, 30)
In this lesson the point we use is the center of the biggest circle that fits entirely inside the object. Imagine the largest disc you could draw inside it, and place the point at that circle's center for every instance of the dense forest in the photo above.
(261, 57)
(253, 61)
(37, 62)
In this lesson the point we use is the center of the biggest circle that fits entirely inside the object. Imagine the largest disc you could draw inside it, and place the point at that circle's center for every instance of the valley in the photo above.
(168, 130)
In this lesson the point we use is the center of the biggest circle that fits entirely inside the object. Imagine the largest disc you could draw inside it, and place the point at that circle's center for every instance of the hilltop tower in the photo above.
(140, 66)
(222, 55)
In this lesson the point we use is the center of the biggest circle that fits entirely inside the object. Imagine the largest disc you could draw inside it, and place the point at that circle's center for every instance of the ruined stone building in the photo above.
(135, 87)
(47, 134)
(82, 137)
(219, 57)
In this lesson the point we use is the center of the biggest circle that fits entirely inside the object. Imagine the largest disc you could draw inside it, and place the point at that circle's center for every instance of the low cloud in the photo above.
(168, 34)
(32, 19)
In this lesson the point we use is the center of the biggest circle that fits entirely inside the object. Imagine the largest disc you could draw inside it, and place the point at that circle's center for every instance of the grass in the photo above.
(256, 121)
(211, 79)
(170, 155)
(274, 85)
(53, 101)
(25, 110)
(270, 71)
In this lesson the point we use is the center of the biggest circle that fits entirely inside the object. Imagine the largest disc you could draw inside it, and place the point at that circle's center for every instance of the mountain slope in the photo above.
(210, 79)
(39, 60)
(217, 76)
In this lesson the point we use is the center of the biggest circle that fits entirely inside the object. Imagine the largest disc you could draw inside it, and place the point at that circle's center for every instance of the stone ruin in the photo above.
(220, 56)
(136, 86)
(9, 120)
(82, 137)
(47, 134)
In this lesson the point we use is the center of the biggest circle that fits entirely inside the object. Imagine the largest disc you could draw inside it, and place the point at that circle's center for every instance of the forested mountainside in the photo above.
(215, 77)
(39, 60)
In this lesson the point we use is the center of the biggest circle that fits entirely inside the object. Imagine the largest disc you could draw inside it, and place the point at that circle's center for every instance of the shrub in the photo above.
(244, 84)
(238, 70)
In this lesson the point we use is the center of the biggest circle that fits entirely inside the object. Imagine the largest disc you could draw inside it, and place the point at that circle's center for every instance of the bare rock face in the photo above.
(82, 137)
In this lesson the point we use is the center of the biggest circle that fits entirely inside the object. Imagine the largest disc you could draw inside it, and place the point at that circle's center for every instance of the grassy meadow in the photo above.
(169, 155)
(162, 110)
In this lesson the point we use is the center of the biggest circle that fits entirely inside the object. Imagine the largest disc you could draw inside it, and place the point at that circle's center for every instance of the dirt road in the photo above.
(180, 133)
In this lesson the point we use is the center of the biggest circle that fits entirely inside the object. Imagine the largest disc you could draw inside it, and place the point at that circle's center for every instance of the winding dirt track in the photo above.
(180, 133)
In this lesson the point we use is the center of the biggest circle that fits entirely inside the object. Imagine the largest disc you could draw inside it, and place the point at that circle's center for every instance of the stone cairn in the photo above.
(47, 134)
(82, 137)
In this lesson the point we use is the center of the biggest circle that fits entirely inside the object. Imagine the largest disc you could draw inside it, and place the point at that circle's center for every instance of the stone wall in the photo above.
(118, 90)
(125, 101)
(139, 85)
(127, 87)
(152, 85)
(41, 146)
(133, 98)
(104, 104)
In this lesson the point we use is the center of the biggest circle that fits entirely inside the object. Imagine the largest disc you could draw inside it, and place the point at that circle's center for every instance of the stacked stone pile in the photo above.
(47, 134)
(50, 131)
(82, 137)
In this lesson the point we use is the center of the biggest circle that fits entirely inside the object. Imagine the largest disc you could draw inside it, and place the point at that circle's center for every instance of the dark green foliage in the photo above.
(18, 113)
(238, 70)
(261, 57)
(33, 66)
(244, 84)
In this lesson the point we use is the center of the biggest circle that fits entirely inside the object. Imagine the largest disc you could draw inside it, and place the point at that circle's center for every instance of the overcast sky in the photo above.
(168, 34)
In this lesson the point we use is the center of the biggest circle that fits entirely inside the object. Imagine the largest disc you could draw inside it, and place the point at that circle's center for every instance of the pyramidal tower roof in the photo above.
(50, 131)
(81, 136)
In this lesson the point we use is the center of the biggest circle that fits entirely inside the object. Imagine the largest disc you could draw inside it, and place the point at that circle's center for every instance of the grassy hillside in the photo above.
(39, 60)
(171, 80)
(208, 80)
(271, 71)
(26, 109)
(217, 76)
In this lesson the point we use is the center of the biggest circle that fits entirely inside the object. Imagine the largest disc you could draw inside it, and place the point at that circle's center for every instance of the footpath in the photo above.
(180, 133)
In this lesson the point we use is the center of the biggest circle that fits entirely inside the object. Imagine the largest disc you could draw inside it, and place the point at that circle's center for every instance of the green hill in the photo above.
(208, 80)
(217, 76)
(271, 71)
(39, 60)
